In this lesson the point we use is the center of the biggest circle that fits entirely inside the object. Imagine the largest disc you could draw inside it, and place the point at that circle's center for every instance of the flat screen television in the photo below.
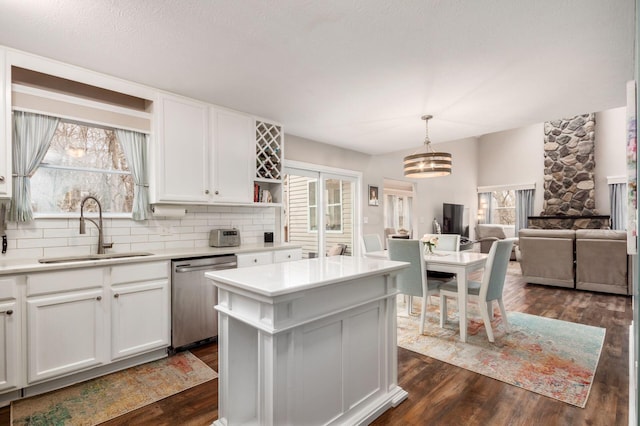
(452, 218)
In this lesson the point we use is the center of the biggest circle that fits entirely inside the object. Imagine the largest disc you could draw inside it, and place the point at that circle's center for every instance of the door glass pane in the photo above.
(300, 213)
(338, 216)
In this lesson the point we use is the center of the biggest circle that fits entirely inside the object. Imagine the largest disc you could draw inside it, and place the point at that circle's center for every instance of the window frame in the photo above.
(72, 215)
(315, 206)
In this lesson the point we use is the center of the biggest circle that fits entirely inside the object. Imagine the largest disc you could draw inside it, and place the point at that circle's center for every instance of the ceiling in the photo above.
(354, 73)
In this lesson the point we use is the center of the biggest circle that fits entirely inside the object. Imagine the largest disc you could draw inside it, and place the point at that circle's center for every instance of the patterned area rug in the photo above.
(554, 358)
(107, 397)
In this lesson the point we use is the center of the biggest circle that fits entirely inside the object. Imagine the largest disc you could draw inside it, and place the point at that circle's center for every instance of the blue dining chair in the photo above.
(412, 281)
(371, 242)
(446, 242)
(486, 291)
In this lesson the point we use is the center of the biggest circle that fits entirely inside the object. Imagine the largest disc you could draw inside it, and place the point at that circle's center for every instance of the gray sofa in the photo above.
(589, 259)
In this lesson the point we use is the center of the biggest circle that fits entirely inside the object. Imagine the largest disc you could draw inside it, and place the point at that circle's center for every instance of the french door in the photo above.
(319, 210)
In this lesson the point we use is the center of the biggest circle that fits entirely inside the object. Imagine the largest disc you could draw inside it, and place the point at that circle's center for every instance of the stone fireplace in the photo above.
(569, 184)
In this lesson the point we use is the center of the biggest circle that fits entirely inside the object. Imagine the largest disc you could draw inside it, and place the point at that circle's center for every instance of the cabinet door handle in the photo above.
(10, 312)
(217, 192)
(255, 260)
(206, 191)
(1, 178)
(115, 296)
(99, 298)
(289, 256)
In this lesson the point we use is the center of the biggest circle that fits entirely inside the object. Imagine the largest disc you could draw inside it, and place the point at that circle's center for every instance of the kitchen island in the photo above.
(308, 342)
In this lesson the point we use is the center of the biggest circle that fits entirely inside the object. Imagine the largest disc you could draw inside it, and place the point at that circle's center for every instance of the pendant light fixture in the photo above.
(429, 163)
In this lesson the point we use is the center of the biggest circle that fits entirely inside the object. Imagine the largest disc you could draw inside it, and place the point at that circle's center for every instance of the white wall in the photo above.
(457, 188)
(610, 153)
(513, 157)
(517, 156)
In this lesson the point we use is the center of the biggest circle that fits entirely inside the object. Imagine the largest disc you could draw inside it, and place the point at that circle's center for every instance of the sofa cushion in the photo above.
(600, 234)
(548, 233)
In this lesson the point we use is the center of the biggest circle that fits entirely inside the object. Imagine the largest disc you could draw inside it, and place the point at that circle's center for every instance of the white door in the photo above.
(320, 208)
(9, 345)
(139, 318)
(182, 144)
(65, 334)
(233, 156)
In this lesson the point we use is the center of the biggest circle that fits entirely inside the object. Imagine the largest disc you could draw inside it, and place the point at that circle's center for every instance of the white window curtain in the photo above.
(135, 147)
(398, 211)
(32, 134)
(485, 199)
(617, 200)
(524, 208)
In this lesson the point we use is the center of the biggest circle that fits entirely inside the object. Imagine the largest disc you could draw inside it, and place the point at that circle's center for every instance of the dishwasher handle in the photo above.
(218, 267)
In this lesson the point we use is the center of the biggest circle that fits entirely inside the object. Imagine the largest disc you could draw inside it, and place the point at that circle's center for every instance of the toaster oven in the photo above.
(224, 238)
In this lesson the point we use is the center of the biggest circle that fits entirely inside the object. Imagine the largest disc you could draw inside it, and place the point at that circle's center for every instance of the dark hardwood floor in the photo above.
(441, 394)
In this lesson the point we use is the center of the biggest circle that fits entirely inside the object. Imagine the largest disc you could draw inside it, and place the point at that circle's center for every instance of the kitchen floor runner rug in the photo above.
(104, 398)
(554, 358)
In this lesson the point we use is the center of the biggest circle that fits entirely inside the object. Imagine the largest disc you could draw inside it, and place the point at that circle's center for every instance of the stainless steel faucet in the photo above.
(83, 228)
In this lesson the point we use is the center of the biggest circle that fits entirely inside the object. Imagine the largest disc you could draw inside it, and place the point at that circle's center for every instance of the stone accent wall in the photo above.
(569, 222)
(569, 166)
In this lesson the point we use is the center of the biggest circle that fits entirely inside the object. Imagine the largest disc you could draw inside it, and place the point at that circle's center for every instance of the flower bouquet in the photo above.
(430, 244)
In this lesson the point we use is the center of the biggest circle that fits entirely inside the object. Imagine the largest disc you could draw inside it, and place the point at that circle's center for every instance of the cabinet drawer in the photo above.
(61, 281)
(287, 255)
(133, 272)
(253, 259)
(8, 288)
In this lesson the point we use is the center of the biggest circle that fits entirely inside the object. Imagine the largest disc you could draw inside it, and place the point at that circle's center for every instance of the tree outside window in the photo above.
(82, 160)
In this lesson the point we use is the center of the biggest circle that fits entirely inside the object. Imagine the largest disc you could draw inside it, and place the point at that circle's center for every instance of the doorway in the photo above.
(320, 207)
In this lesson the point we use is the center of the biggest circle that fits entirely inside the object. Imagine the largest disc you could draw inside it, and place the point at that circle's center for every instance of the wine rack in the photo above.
(268, 151)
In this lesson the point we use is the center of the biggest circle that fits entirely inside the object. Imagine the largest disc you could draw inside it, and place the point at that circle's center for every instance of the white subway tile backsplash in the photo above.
(26, 243)
(147, 246)
(179, 244)
(68, 251)
(61, 237)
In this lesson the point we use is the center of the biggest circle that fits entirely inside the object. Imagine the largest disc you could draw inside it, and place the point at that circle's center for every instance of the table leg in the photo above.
(462, 303)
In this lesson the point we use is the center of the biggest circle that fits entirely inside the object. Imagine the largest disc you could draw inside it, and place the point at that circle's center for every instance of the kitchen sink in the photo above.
(93, 257)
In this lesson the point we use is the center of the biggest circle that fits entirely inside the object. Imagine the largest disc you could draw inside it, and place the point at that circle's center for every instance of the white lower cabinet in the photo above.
(83, 318)
(267, 257)
(253, 259)
(65, 333)
(139, 318)
(9, 336)
(287, 255)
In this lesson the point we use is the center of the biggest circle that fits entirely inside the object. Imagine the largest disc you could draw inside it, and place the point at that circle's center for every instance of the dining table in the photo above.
(461, 263)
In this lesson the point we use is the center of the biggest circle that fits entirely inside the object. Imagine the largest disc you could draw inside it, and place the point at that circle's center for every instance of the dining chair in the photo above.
(413, 281)
(446, 242)
(371, 242)
(486, 291)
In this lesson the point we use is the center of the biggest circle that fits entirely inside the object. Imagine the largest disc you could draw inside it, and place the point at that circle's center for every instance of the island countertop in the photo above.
(278, 279)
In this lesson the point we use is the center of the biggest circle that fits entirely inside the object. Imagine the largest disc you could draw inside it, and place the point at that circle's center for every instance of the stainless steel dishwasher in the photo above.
(193, 318)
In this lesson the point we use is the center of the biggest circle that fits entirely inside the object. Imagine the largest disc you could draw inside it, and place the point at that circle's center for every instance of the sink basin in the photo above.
(93, 257)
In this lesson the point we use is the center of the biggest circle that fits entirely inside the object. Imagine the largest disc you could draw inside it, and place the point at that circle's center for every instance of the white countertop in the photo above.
(10, 266)
(289, 277)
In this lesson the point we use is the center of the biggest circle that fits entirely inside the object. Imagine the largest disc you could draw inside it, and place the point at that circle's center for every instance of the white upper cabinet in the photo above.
(232, 159)
(182, 150)
(5, 128)
(205, 154)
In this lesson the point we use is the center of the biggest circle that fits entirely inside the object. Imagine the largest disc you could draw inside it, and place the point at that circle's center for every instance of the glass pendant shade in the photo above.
(428, 163)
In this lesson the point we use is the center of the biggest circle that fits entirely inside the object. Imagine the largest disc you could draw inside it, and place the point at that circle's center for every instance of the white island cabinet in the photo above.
(307, 342)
